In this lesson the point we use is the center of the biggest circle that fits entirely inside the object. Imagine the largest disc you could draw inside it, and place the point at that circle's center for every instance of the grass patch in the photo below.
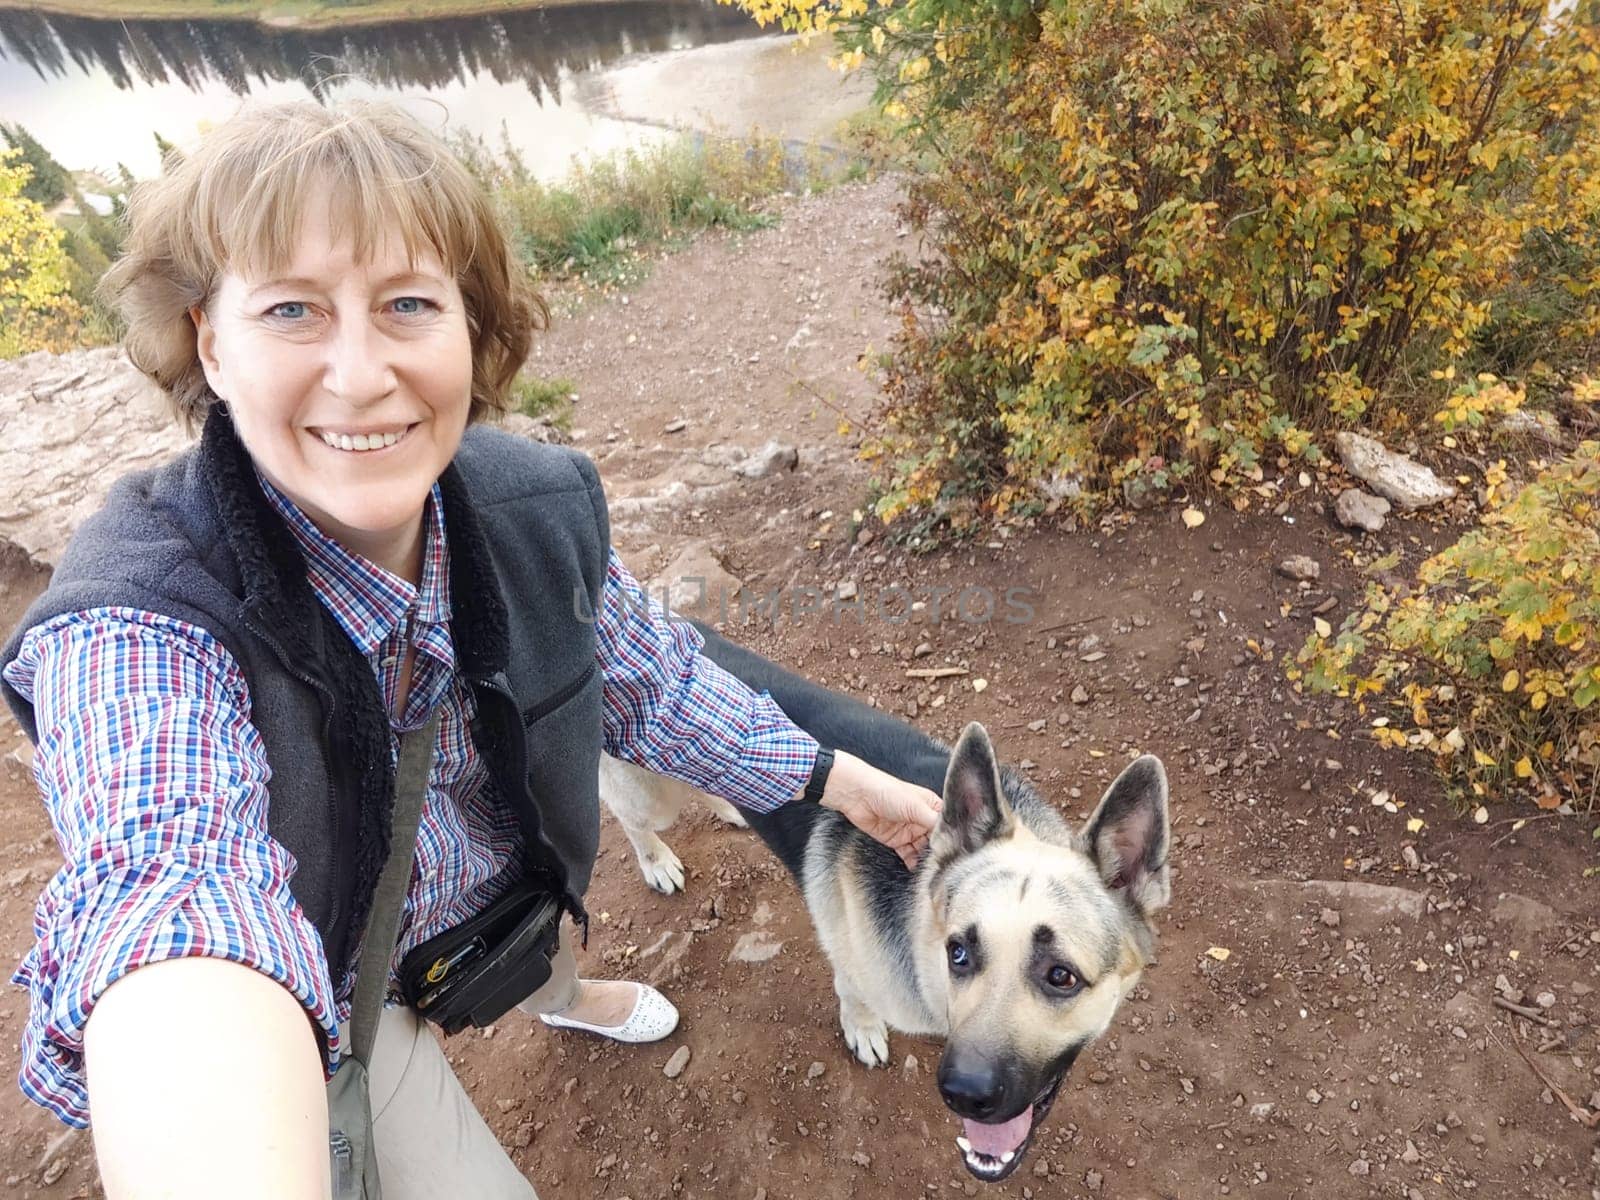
(536, 397)
(595, 224)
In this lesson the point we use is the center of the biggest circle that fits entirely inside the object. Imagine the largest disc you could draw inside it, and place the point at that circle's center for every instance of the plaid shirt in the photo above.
(158, 785)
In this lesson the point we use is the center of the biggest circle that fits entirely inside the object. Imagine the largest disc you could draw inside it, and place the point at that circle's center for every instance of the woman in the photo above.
(219, 673)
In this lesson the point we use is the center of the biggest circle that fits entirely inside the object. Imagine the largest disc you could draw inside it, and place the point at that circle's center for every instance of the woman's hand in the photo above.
(901, 815)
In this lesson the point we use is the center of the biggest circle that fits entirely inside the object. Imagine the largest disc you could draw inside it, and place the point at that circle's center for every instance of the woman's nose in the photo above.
(359, 369)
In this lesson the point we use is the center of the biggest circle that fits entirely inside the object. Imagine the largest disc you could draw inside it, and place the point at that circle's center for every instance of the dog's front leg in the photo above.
(644, 803)
(865, 1032)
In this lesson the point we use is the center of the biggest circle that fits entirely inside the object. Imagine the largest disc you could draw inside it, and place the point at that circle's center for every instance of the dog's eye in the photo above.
(1062, 978)
(960, 959)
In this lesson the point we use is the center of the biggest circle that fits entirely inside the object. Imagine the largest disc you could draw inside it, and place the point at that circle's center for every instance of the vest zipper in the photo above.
(545, 707)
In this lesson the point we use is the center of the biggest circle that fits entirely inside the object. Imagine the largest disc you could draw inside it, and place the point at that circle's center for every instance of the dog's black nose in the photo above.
(971, 1087)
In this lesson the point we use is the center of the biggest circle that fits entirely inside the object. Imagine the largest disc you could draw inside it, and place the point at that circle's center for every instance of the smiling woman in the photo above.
(319, 707)
(349, 380)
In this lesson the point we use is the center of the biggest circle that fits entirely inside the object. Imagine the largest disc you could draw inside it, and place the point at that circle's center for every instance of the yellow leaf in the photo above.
(1482, 759)
(1415, 825)
(1524, 768)
(1323, 628)
(1510, 682)
(1193, 518)
(1219, 953)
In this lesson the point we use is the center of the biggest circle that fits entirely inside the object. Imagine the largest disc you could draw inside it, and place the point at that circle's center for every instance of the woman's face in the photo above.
(349, 382)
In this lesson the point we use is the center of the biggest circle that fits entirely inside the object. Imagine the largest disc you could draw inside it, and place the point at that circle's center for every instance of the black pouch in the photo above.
(478, 971)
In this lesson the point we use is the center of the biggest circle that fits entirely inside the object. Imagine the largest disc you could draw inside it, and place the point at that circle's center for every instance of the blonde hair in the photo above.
(236, 202)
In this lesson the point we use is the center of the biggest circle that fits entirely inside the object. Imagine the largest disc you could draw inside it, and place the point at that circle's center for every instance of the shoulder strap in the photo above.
(388, 898)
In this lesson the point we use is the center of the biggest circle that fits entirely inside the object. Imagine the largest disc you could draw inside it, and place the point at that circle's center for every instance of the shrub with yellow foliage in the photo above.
(1493, 661)
(37, 311)
(1172, 236)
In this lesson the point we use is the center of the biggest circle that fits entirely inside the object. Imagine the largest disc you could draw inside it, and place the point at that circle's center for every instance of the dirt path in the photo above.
(1346, 1046)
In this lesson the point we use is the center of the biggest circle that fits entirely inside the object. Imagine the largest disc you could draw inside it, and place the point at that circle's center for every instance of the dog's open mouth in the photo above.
(991, 1152)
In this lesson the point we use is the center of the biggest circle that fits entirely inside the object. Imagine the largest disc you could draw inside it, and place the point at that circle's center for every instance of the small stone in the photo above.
(1080, 695)
(847, 590)
(815, 1070)
(769, 460)
(1099, 1077)
(1411, 1156)
(1262, 1111)
(522, 1138)
(1092, 1180)
(1314, 1096)
(1300, 566)
(1545, 999)
(861, 1158)
(676, 1064)
(923, 650)
(675, 426)
(1036, 726)
(909, 1068)
(1356, 509)
(1360, 1167)
(1330, 918)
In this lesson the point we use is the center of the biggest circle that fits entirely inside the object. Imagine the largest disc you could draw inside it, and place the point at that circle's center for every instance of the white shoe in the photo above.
(653, 1018)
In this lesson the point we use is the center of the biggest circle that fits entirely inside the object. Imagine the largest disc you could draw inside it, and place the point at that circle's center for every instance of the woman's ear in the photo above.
(205, 345)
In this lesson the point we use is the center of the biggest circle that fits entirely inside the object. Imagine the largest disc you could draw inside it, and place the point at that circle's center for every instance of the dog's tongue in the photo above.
(995, 1140)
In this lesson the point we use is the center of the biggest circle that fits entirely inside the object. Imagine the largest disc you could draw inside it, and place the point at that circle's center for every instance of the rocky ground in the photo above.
(1342, 1008)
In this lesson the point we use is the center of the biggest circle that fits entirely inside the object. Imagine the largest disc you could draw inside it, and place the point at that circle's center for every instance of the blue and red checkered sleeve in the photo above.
(671, 710)
(156, 785)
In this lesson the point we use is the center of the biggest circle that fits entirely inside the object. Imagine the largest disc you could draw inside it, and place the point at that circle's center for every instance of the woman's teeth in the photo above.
(361, 441)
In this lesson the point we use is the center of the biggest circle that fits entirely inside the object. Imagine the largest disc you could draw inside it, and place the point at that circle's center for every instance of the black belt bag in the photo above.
(478, 971)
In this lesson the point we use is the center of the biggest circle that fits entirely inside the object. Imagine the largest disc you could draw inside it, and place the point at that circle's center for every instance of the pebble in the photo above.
(1300, 566)
(1080, 695)
(1314, 1096)
(1330, 918)
(815, 1070)
(676, 1064)
(676, 426)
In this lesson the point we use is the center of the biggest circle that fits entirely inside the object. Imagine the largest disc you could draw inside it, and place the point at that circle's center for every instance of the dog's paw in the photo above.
(867, 1038)
(726, 813)
(662, 870)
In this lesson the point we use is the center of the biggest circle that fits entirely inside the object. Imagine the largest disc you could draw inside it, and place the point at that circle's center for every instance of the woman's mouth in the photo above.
(363, 443)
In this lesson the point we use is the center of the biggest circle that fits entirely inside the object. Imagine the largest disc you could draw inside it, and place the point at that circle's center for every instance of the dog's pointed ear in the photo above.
(1127, 835)
(975, 808)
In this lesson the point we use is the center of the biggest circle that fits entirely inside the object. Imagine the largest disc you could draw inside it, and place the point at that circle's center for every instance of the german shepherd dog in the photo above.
(1015, 939)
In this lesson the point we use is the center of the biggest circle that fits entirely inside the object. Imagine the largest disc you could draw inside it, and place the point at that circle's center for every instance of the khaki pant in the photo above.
(431, 1141)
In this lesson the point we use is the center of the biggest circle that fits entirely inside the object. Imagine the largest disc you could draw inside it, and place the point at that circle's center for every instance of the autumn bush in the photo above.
(1491, 661)
(37, 311)
(1170, 237)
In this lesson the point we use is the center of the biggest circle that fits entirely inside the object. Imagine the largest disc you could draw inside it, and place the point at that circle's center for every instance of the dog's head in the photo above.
(1043, 936)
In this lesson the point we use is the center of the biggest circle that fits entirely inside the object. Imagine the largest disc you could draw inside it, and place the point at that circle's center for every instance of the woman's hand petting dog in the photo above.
(901, 815)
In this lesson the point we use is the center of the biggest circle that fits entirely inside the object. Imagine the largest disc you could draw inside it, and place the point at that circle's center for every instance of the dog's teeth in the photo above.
(966, 1146)
(1007, 1157)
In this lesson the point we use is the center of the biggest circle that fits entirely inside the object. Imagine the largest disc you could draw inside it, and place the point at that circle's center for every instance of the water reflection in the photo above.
(533, 47)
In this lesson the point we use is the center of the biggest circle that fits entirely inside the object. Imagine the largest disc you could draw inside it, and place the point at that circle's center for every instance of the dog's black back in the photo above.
(839, 723)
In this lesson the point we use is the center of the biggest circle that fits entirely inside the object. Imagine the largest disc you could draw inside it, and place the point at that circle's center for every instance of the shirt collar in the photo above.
(368, 601)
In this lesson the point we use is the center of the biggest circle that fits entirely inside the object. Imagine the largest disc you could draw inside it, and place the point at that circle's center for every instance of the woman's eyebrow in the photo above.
(302, 281)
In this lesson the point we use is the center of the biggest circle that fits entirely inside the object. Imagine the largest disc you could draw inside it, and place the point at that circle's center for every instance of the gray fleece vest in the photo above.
(528, 535)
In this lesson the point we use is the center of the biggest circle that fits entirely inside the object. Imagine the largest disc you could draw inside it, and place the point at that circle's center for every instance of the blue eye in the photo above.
(289, 309)
(411, 306)
(960, 959)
